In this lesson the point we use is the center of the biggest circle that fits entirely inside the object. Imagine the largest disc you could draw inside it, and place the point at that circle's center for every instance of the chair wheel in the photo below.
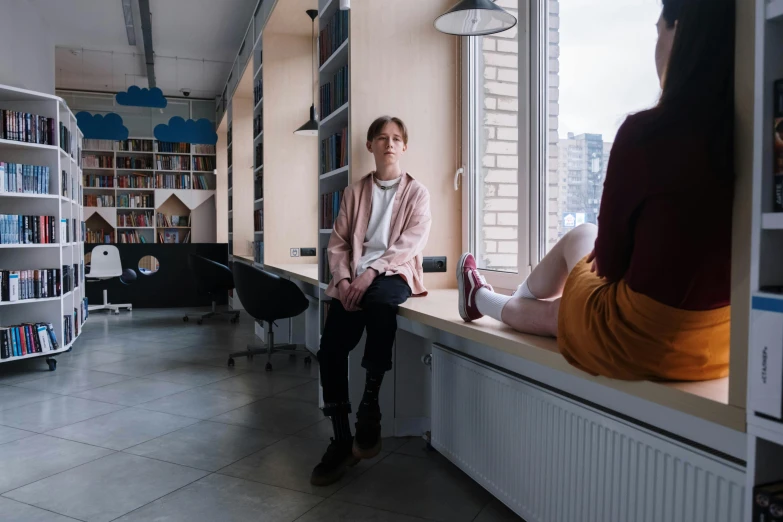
(186, 318)
(199, 322)
(308, 361)
(52, 364)
(268, 367)
(231, 362)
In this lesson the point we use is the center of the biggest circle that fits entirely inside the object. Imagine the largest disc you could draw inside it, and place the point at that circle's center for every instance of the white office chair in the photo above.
(105, 264)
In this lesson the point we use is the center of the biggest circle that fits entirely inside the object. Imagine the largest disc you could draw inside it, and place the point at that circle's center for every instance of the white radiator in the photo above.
(552, 459)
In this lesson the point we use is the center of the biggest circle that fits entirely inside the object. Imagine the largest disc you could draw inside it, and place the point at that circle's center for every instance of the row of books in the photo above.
(21, 178)
(130, 236)
(333, 35)
(134, 162)
(139, 181)
(260, 154)
(326, 273)
(135, 201)
(133, 219)
(258, 92)
(258, 185)
(203, 163)
(334, 151)
(69, 230)
(100, 236)
(102, 200)
(30, 128)
(27, 339)
(258, 251)
(98, 181)
(25, 230)
(777, 163)
(330, 207)
(258, 124)
(258, 220)
(200, 148)
(173, 221)
(67, 143)
(335, 93)
(19, 285)
(172, 162)
(93, 144)
(71, 326)
(134, 145)
(200, 182)
(172, 236)
(70, 187)
(173, 181)
(167, 146)
(97, 161)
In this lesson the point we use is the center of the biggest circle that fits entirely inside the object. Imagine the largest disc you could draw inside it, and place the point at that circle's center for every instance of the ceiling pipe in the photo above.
(146, 32)
(345, 5)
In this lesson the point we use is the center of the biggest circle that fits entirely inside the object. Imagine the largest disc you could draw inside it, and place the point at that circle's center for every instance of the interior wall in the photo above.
(221, 188)
(404, 67)
(290, 161)
(26, 48)
(242, 173)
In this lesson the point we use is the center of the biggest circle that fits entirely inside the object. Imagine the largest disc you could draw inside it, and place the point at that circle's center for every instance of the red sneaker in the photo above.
(469, 281)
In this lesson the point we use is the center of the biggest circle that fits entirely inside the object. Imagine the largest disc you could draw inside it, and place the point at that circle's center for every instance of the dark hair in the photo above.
(377, 126)
(699, 80)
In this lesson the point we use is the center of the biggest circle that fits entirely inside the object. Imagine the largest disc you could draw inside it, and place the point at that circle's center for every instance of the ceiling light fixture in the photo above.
(311, 127)
(475, 18)
(130, 29)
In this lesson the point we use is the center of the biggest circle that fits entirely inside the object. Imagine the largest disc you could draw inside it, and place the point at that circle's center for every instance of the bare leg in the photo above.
(532, 316)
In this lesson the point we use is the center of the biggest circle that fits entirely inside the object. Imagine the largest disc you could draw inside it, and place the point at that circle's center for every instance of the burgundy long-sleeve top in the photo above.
(665, 220)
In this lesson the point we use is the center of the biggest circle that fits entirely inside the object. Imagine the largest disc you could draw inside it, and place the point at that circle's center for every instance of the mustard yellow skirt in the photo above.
(608, 329)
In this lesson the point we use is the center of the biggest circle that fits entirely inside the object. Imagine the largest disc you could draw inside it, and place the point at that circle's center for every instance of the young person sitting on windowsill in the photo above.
(375, 256)
(645, 295)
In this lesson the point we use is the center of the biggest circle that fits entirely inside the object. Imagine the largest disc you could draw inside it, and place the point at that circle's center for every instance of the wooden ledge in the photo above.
(708, 399)
(306, 272)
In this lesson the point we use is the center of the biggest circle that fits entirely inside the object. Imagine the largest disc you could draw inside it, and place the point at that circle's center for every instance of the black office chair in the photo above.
(212, 279)
(267, 298)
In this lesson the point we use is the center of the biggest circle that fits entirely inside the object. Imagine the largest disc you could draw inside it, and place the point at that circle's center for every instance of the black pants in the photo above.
(343, 331)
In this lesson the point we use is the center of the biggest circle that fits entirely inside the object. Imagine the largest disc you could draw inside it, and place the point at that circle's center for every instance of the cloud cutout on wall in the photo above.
(100, 127)
(138, 97)
(190, 131)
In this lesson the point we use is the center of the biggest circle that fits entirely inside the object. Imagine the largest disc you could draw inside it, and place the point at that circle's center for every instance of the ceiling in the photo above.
(195, 43)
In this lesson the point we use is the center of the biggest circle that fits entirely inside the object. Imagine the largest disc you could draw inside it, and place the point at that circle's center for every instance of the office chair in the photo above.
(267, 298)
(105, 264)
(212, 278)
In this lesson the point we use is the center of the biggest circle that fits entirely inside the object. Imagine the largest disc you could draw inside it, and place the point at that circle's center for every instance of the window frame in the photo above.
(532, 143)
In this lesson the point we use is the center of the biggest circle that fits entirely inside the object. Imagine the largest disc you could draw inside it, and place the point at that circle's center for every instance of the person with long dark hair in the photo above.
(645, 295)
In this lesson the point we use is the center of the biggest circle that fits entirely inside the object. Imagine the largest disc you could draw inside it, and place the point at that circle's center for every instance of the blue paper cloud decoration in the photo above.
(138, 97)
(102, 127)
(190, 131)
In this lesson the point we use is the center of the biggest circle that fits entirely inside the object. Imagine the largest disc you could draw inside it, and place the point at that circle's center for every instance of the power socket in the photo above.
(307, 252)
(434, 264)
(294, 252)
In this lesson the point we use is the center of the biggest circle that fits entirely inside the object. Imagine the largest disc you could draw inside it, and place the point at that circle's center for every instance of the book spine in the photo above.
(777, 191)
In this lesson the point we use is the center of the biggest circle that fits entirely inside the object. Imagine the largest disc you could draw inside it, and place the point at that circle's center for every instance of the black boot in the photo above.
(367, 443)
(336, 460)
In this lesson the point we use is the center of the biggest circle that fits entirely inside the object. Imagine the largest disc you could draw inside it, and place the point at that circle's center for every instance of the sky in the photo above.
(607, 64)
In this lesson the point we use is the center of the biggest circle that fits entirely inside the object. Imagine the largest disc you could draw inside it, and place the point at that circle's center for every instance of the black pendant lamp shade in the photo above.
(311, 127)
(475, 18)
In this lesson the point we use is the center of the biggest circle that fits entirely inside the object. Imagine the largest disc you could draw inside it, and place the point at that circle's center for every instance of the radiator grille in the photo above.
(550, 459)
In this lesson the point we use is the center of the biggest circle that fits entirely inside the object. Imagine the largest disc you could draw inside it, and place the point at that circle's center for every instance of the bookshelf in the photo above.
(141, 176)
(258, 153)
(58, 194)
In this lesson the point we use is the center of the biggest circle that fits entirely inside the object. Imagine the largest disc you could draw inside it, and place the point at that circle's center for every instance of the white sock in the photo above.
(491, 304)
(524, 291)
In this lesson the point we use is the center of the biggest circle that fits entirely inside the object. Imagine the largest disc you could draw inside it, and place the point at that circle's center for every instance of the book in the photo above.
(30, 128)
(777, 168)
(5, 345)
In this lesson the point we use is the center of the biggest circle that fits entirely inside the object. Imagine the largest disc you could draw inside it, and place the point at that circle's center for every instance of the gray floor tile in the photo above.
(274, 414)
(34, 458)
(220, 498)
(206, 445)
(10, 434)
(54, 413)
(13, 397)
(72, 382)
(495, 511)
(288, 464)
(417, 447)
(89, 360)
(14, 511)
(140, 348)
(323, 431)
(305, 392)
(260, 384)
(199, 403)
(27, 370)
(140, 366)
(133, 391)
(418, 487)
(198, 355)
(122, 429)
(195, 375)
(106, 488)
(333, 510)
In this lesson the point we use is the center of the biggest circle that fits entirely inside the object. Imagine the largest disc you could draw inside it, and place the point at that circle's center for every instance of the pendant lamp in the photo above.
(311, 127)
(475, 18)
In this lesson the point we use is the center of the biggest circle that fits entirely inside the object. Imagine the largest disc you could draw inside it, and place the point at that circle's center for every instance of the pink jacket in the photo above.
(410, 228)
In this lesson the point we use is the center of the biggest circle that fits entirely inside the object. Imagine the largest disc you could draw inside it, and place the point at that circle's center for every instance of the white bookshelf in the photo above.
(63, 167)
(765, 376)
(258, 141)
(190, 198)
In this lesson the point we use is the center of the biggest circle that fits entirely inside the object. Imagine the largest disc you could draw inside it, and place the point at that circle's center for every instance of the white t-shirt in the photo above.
(376, 240)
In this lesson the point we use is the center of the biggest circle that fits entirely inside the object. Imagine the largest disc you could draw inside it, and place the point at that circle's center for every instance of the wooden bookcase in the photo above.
(64, 169)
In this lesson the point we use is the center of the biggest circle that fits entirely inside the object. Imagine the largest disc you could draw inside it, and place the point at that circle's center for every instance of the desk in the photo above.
(305, 329)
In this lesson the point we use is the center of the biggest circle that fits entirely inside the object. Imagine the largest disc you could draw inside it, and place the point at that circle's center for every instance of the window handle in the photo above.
(460, 171)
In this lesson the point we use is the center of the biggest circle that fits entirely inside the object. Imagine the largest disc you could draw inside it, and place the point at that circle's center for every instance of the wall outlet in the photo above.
(294, 252)
(434, 264)
(307, 252)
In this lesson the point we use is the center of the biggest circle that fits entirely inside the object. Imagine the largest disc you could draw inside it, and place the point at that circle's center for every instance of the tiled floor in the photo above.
(144, 421)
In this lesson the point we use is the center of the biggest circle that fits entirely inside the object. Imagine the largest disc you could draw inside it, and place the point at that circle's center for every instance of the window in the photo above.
(542, 115)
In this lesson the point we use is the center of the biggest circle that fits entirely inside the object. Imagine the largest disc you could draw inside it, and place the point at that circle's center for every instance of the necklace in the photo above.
(385, 187)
